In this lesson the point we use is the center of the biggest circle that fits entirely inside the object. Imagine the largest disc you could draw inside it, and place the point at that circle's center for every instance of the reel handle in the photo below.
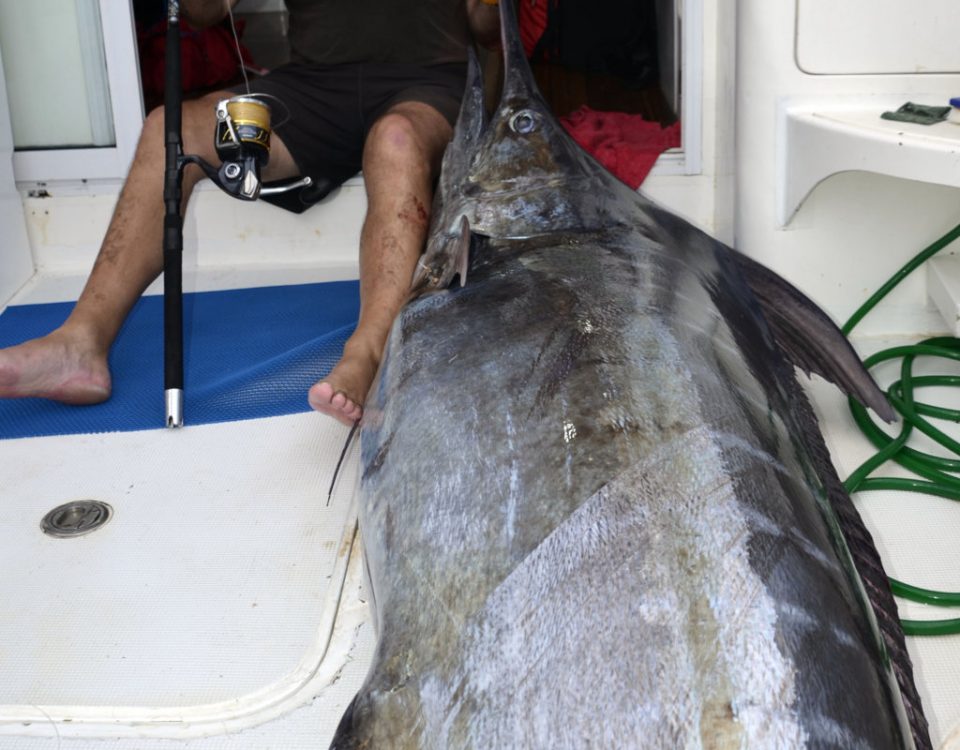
(241, 179)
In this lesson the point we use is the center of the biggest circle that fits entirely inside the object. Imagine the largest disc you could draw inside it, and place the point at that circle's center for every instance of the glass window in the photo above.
(56, 74)
(73, 87)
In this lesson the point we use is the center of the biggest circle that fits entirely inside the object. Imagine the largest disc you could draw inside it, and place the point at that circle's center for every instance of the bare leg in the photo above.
(70, 364)
(400, 161)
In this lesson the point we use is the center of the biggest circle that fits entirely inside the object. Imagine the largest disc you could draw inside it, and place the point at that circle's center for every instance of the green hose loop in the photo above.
(933, 469)
(931, 627)
(924, 595)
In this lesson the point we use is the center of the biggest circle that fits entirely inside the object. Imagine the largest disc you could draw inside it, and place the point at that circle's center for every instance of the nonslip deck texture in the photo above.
(248, 353)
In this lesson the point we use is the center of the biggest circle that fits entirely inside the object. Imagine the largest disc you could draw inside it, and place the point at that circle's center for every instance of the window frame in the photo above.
(688, 159)
(123, 76)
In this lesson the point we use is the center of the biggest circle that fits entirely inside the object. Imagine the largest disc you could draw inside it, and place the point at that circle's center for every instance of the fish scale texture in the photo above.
(632, 482)
(248, 353)
(535, 620)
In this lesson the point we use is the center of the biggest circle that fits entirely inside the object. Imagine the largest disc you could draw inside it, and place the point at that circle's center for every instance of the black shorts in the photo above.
(324, 112)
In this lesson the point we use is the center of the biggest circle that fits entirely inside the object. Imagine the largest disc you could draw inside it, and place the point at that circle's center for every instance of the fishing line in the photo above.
(236, 42)
(937, 473)
(243, 70)
(343, 455)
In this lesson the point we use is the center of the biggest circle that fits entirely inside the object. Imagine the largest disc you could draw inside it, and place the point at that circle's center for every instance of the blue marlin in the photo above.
(595, 507)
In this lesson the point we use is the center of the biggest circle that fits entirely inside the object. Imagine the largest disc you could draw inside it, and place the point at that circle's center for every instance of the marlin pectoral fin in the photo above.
(809, 339)
(463, 250)
(443, 259)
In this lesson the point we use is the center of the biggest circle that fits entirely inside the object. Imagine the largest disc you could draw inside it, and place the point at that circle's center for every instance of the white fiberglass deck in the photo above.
(207, 603)
(222, 606)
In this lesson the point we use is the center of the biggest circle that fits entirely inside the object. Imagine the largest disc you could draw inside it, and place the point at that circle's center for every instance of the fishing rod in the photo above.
(173, 224)
(242, 142)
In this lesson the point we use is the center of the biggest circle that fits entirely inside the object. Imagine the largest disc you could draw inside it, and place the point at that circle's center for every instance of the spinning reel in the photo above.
(242, 141)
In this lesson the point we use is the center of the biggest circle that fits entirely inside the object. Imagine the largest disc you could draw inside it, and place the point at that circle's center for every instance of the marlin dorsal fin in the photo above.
(809, 339)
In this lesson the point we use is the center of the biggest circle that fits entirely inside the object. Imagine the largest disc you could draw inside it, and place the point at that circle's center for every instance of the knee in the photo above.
(152, 132)
(394, 138)
(197, 125)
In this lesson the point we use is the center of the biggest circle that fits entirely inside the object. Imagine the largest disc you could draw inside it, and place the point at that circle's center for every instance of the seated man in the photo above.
(368, 87)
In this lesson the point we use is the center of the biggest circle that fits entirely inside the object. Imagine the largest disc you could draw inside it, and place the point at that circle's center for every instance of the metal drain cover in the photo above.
(76, 518)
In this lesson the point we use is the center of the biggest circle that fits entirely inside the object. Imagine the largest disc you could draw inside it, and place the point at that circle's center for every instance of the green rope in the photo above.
(934, 470)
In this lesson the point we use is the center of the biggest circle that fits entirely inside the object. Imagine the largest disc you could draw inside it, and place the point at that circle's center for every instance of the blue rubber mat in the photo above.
(248, 353)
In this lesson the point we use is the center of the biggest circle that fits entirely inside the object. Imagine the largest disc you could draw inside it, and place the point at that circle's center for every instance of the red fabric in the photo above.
(533, 21)
(208, 58)
(627, 145)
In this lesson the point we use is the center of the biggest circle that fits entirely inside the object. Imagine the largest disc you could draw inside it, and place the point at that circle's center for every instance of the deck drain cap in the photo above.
(76, 518)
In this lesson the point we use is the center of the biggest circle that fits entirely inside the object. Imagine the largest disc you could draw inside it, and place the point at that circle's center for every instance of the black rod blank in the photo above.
(173, 224)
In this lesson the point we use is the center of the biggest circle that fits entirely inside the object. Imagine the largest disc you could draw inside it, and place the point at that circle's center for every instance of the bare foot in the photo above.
(341, 393)
(57, 367)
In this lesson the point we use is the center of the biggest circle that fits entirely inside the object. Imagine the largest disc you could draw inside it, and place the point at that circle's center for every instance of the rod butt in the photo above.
(174, 399)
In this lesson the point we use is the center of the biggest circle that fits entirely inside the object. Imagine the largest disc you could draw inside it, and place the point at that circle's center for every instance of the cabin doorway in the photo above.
(625, 56)
(609, 55)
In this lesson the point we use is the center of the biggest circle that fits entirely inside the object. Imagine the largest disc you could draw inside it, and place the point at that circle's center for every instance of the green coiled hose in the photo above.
(933, 469)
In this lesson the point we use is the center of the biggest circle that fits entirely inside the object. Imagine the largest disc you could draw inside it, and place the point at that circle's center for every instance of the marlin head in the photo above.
(517, 176)
(528, 177)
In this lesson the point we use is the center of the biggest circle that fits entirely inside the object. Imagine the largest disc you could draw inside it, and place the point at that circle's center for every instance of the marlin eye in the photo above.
(523, 122)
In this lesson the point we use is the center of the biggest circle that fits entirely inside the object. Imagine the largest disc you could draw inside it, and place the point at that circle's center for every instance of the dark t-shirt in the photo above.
(424, 32)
